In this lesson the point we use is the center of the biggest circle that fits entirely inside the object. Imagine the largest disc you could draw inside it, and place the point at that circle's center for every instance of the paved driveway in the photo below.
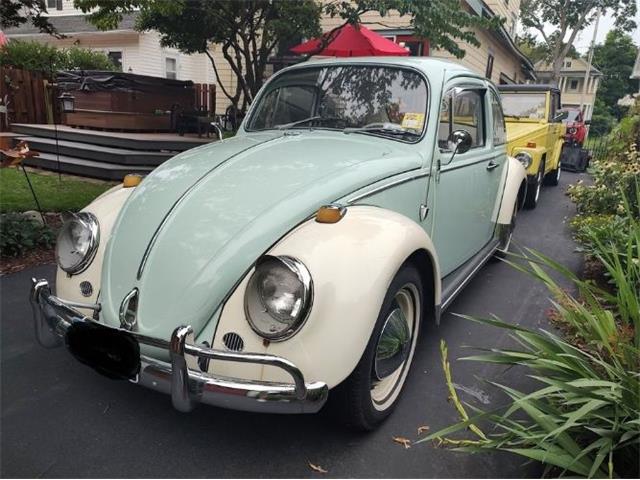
(60, 419)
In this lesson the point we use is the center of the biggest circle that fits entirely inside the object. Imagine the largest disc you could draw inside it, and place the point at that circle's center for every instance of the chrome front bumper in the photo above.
(53, 317)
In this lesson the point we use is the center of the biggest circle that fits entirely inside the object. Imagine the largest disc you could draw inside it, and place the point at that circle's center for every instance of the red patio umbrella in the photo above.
(350, 41)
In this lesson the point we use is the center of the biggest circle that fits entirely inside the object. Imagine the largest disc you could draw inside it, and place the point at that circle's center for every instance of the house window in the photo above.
(116, 59)
(417, 47)
(57, 4)
(489, 67)
(567, 63)
(573, 85)
(171, 68)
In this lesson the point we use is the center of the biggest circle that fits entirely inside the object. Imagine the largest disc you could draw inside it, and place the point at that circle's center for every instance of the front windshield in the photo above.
(385, 101)
(525, 105)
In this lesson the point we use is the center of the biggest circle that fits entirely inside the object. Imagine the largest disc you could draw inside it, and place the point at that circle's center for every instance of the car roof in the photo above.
(430, 66)
(531, 87)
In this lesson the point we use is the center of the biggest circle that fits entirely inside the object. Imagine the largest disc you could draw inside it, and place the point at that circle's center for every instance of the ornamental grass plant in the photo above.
(583, 416)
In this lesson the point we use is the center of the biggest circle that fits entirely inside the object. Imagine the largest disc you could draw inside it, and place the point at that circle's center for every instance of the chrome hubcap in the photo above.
(538, 185)
(393, 345)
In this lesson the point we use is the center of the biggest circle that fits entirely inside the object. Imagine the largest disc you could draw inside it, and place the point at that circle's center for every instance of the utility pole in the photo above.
(589, 60)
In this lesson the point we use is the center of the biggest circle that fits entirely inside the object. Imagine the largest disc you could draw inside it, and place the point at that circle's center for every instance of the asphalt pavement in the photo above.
(61, 419)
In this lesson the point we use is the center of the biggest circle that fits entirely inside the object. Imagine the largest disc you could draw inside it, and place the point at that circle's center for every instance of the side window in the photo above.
(462, 111)
(499, 130)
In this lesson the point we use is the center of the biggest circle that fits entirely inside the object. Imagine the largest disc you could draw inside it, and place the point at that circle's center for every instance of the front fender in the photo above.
(352, 263)
(106, 208)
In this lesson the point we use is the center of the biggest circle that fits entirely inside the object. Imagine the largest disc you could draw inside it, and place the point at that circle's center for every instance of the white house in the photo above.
(498, 58)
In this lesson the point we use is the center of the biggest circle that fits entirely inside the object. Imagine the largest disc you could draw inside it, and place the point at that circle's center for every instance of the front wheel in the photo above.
(533, 190)
(370, 393)
(553, 177)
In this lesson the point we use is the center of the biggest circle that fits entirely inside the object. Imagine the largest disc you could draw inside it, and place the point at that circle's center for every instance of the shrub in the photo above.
(32, 55)
(583, 418)
(19, 234)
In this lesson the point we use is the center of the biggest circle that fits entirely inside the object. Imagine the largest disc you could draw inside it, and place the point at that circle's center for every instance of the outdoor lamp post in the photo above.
(67, 103)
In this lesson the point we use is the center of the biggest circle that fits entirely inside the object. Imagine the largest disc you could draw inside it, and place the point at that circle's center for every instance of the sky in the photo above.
(583, 40)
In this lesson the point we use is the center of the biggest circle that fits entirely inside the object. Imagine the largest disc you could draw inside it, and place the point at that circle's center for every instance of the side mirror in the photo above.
(560, 116)
(459, 141)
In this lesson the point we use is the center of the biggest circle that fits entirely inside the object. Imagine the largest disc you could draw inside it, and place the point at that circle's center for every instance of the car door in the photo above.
(465, 184)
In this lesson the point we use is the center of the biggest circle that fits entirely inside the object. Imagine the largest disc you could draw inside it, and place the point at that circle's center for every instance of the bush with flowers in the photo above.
(606, 207)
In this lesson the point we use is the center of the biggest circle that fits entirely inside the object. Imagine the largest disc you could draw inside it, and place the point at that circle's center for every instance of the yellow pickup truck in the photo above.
(535, 133)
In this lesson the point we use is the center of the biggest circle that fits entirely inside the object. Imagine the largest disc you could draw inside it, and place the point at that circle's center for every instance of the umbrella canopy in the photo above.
(350, 41)
(3, 39)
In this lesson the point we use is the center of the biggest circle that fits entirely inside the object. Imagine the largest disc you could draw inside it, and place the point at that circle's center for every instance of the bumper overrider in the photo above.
(115, 352)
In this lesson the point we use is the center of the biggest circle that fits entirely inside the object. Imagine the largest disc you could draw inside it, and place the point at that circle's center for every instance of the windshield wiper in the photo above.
(390, 128)
(315, 118)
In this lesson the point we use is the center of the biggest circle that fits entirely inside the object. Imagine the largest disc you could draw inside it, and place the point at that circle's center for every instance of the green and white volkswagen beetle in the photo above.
(296, 262)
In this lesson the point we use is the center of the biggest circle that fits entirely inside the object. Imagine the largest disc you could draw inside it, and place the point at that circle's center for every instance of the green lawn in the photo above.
(70, 194)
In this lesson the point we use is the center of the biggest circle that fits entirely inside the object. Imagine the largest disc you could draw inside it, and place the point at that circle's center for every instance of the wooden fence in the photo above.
(26, 96)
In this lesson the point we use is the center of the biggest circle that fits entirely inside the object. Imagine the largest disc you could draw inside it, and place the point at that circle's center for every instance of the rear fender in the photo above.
(514, 190)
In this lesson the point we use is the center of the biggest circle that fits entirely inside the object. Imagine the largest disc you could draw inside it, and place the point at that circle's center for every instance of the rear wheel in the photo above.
(370, 393)
(506, 234)
(533, 190)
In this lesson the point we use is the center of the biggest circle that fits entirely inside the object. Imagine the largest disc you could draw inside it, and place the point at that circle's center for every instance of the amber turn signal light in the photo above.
(330, 213)
(531, 144)
(131, 180)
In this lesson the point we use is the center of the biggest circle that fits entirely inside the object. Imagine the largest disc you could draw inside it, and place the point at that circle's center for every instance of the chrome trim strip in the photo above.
(180, 199)
(187, 387)
(491, 246)
(386, 187)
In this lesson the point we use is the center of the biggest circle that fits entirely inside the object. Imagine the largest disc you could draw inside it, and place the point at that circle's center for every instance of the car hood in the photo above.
(203, 218)
(520, 132)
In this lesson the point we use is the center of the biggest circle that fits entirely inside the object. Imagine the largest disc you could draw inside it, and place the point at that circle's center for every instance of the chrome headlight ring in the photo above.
(278, 297)
(524, 158)
(77, 242)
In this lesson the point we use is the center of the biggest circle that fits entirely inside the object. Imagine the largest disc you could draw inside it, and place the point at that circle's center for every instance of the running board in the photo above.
(453, 283)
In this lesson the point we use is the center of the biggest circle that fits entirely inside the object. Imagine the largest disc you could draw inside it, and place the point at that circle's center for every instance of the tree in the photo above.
(249, 31)
(536, 51)
(14, 13)
(615, 59)
(560, 21)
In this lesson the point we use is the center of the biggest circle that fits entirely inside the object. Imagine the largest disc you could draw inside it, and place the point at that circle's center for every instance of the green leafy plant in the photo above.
(33, 55)
(583, 418)
(19, 234)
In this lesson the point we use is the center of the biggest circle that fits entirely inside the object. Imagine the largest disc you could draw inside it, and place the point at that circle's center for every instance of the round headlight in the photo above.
(524, 158)
(278, 297)
(573, 130)
(77, 242)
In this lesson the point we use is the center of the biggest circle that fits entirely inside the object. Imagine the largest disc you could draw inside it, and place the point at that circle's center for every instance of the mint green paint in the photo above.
(215, 209)
(233, 214)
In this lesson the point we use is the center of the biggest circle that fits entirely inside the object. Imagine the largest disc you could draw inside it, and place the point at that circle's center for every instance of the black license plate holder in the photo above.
(113, 353)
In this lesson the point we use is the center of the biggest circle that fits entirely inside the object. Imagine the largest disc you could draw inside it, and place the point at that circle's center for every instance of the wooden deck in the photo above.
(105, 155)
(133, 141)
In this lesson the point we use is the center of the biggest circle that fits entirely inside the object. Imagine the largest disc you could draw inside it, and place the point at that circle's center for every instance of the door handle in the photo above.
(491, 165)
